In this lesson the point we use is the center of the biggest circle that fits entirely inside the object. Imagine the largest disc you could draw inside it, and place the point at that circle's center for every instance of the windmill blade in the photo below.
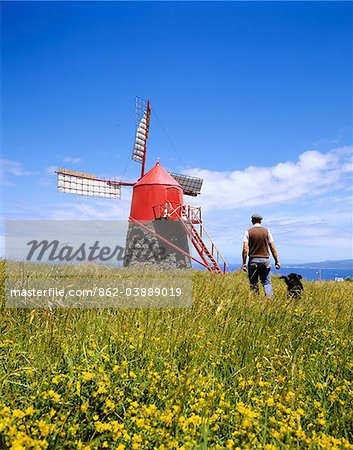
(143, 113)
(191, 185)
(80, 183)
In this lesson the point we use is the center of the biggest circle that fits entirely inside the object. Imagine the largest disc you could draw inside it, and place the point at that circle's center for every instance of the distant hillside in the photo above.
(340, 264)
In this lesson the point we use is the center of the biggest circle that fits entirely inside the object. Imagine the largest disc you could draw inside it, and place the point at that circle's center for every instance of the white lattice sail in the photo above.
(72, 182)
(141, 135)
(191, 185)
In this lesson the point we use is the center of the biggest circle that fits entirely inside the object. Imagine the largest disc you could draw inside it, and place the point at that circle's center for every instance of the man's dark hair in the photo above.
(256, 220)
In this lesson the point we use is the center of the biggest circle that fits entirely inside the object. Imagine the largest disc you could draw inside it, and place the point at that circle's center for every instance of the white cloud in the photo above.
(301, 234)
(70, 160)
(82, 208)
(306, 203)
(313, 174)
(9, 168)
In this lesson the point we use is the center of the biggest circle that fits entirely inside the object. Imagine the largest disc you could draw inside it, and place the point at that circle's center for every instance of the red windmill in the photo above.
(157, 194)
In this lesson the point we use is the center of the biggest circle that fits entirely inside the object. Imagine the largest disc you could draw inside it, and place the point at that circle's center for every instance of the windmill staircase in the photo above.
(191, 220)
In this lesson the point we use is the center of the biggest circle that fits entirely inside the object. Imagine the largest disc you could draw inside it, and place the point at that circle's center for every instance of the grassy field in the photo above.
(234, 371)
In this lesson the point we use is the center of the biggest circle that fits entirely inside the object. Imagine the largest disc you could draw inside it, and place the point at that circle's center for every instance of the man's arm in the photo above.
(245, 254)
(274, 254)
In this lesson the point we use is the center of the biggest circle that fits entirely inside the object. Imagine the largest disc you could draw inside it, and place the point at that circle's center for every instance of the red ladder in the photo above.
(190, 217)
(210, 255)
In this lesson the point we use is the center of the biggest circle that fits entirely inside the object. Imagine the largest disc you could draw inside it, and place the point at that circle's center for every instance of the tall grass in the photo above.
(233, 371)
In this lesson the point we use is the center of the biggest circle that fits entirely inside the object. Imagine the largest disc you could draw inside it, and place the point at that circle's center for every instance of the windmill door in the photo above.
(173, 199)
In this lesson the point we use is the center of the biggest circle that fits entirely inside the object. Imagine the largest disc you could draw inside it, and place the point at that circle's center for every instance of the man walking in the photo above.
(257, 241)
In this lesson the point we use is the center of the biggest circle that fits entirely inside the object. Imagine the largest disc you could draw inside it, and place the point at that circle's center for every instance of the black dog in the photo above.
(295, 287)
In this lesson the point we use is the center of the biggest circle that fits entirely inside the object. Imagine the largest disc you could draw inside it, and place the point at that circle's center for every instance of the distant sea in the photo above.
(307, 274)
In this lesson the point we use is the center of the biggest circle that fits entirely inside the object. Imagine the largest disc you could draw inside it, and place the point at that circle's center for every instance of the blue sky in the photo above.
(255, 97)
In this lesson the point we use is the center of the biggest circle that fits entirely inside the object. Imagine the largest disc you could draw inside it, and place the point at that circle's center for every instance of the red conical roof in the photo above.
(158, 175)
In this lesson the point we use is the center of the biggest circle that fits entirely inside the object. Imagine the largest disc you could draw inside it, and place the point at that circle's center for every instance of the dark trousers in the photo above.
(260, 269)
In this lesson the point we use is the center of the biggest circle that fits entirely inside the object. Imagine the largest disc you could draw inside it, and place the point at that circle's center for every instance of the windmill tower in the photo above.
(158, 216)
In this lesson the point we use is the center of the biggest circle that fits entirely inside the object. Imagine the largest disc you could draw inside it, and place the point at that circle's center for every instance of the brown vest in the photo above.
(258, 242)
